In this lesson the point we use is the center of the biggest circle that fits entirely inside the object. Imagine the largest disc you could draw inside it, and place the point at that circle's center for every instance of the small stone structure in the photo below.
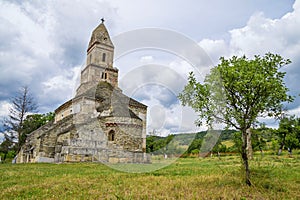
(99, 124)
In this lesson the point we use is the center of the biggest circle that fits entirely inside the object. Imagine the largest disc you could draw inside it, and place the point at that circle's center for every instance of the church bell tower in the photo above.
(99, 62)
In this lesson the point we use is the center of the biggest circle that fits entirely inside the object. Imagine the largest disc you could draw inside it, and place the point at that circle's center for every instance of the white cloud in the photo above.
(261, 35)
(197, 19)
(295, 111)
(157, 117)
(4, 109)
(281, 36)
(214, 48)
(61, 88)
(44, 42)
(165, 113)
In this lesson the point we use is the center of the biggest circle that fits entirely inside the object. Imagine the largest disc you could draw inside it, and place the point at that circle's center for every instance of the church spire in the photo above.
(100, 36)
(99, 61)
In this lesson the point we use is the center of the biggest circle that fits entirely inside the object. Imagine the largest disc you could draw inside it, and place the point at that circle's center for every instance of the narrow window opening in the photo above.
(103, 57)
(111, 135)
(104, 75)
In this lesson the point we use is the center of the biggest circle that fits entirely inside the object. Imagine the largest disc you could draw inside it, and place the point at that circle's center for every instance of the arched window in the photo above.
(111, 135)
(103, 57)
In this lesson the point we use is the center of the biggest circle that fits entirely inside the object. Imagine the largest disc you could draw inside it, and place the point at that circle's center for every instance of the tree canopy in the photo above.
(22, 104)
(238, 91)
(33, 122)
(30, 124)
(288, 133)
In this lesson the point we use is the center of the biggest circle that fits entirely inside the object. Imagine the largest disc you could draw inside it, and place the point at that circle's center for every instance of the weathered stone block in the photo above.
(113, 160)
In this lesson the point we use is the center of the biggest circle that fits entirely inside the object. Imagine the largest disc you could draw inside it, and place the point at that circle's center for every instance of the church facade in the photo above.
(100, 124)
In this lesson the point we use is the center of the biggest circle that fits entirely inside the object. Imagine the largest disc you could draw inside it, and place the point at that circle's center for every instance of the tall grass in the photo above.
(273, 177)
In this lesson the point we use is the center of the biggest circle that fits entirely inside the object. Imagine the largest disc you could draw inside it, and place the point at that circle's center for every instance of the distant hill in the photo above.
(181, 141)
(185, 138)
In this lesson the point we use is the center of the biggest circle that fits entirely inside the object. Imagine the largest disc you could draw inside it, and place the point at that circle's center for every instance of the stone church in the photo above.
(100, 124)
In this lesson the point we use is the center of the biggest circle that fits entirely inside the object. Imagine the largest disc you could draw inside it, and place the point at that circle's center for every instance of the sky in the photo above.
(43, 45)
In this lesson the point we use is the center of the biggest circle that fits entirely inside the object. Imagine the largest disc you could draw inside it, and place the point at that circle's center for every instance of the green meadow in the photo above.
(273, 177)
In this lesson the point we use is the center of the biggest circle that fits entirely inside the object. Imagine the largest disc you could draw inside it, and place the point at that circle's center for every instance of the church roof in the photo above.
(119, 102)
(100, 36)
(110, 97)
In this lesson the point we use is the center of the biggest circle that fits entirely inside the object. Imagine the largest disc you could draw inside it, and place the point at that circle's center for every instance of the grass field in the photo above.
(187, 178)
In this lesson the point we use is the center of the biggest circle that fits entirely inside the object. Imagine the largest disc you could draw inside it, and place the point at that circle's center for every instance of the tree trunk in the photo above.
(281, 146)
(261, 152)
(245, 156)
(249, 144)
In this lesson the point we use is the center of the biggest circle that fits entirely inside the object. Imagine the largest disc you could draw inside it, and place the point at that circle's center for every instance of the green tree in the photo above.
(33, 122)
(210, 140)
(287, 133)
(195, 145)
(261, 136)
(219, 148)
(237, 140)
(5, 147)
(22, 104)
(237, 92)
(157, 145)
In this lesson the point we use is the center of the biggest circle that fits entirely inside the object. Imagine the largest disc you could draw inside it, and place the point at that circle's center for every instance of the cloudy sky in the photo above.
(43, 45)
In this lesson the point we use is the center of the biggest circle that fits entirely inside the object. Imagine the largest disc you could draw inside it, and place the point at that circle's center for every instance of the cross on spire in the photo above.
(102, 20)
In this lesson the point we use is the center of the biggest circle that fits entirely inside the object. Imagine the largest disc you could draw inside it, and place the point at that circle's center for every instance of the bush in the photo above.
(195, 151)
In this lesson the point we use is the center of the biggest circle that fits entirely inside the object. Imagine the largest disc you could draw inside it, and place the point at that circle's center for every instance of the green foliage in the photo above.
(195, 145)
(154, 143)
(33, 122)
(239, 90)
(274, 145)
(227, 134)
(29, 124)
(260, 137)
(195, 151)
(185, 138)
(263, 139)
(6, 148)
(237, 139)
(200, 135)
(176, 144)
(219, 148)
(21, 105)
(158, 145)
(288, 133)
